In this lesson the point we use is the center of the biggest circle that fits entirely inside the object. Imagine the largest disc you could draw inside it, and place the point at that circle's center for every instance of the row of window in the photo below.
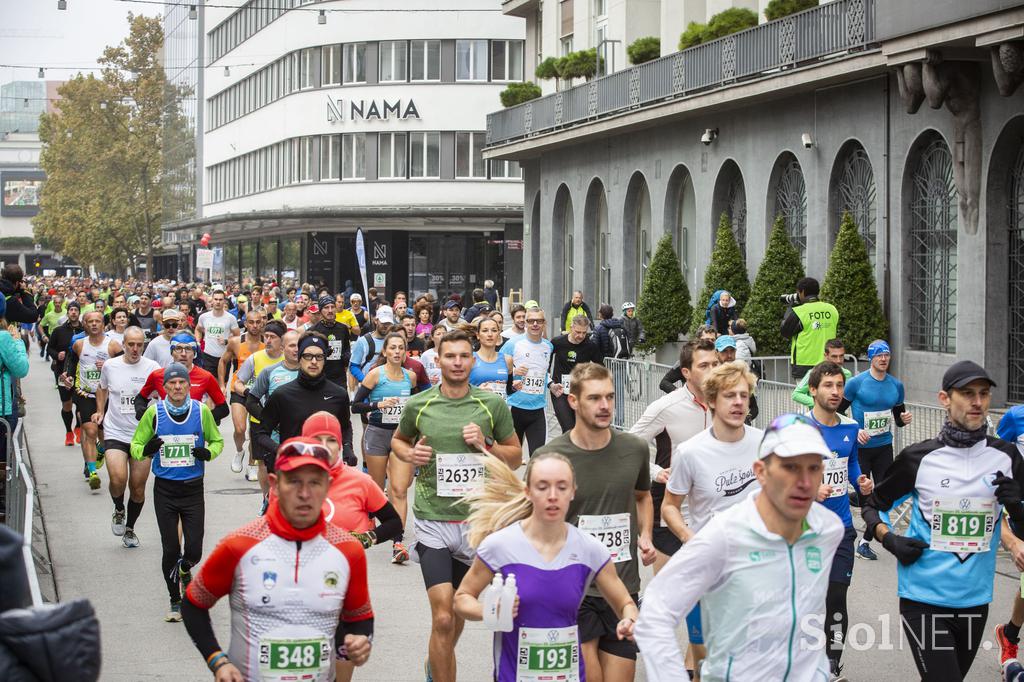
(324, 158)
(246, 22)
(398, 61)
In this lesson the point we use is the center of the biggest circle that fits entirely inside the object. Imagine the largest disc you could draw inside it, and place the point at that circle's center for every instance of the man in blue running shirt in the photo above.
(876, 400)
(825, 383)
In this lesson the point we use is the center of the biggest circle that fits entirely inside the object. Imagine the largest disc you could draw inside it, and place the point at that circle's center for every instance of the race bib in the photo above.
(496, 387)
(612, 530)
(458, 474)
(566, 382)
(837, 475)
(126, 404)
(877, 423)
(392, 414)
(962, 525)
(533, 384)
(216, 332)
(548, 654)
(177, 451)
(92, 375)
(294, 659)
(336, 346)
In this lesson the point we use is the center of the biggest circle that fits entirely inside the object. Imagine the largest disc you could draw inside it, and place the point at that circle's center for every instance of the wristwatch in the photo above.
(488, 441)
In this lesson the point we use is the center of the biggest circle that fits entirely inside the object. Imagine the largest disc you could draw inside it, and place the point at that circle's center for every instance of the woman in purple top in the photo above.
(519, 528)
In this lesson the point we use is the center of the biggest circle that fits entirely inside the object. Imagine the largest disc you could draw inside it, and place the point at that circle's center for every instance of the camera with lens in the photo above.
(789, 299)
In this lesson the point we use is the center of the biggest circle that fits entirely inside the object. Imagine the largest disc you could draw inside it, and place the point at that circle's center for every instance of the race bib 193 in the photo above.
(612, 530)
(458, 474)
(548, 654)
(962, 525)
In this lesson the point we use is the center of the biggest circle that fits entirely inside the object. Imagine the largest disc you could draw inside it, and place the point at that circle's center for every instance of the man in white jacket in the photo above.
(761, 570)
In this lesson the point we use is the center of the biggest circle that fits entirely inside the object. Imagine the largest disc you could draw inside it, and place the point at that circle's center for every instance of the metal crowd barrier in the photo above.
(20, 501)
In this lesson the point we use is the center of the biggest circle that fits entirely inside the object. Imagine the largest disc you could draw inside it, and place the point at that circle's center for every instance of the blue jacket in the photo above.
(13, 366)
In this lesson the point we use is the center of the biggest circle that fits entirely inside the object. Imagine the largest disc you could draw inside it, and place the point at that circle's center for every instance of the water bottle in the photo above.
(489, 599)
(506, 602)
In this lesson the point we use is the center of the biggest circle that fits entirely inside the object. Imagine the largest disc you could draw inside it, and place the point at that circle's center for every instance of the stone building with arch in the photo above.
(912, 121)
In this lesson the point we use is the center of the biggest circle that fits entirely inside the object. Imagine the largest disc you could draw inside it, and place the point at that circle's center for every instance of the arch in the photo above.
(930, 250)
(535, 234)
(787, 197)
(636, 235)
(681, 219)
(852, 190)
(1005, 225)
(730, 197)
(596, 242)
(562, 230)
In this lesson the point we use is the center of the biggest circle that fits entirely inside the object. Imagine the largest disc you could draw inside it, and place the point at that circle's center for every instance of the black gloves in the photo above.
(907, 550)
(152, 447)
(1008, 492)
(201, 454)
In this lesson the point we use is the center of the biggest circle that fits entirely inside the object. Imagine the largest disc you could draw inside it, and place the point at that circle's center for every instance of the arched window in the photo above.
(731, 198)
(1015, 223)
(534, 245)
(680, 219)
(932, 240)
(637, 219)
(791, 202)
(853, 192)
(596, 244)
(561, 244)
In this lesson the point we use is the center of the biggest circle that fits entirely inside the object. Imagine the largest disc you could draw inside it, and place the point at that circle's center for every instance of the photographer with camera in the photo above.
(810, 323)
(21, 305)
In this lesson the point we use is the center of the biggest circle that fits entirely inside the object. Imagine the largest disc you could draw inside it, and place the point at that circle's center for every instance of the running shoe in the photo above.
(864, 551)
(85, 471)
(130, 540)
(101, 454)
(399, 554)
(94, 481)
(236, 462)
(174, 613)
(264, 505)
(426, 669)
(184, 574)
(78, 434)
(69, 439)
(1007, 649)
(252, 473)
(836, 673)
(117, 523)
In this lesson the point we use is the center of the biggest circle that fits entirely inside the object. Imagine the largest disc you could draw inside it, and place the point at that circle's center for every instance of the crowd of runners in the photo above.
(751, 532)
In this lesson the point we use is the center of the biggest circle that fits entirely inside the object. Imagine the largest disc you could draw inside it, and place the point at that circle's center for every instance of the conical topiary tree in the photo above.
(850, 286)
(780, 270)
(725, 271)
(664, 306)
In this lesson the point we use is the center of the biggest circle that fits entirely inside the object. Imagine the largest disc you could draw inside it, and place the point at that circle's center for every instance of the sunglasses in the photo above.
(312, 357)
(535, 322)
(183, 347)
(316, 451)
(784, 421)
(171, 325)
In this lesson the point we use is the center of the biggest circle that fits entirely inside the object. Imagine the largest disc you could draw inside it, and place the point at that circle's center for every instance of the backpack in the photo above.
(371, 350)
(621, 348)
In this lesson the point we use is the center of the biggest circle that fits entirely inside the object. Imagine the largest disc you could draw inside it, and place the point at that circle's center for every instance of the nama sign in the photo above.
(370, 110)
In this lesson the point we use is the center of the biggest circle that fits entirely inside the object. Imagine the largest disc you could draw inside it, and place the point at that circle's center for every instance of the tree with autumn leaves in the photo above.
(101, 203)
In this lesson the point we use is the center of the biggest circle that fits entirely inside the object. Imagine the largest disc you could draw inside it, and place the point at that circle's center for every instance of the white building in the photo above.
(322, 117)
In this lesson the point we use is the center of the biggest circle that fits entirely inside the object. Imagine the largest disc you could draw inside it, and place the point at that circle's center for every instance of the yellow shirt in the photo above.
(346, 317)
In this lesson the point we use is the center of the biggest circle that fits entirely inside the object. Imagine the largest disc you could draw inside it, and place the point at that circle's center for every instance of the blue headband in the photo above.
(878, 348)
(184, 339)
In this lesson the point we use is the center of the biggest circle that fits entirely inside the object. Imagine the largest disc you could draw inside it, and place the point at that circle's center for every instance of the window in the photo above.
(471, 60)
(565, 17)
(330, 157)
(307, 78)
(392, 155)
(393, 61)
(330, 65)
(425, 154)
(355, 63)
(425, 60)
(304, 159)
(600, 8)
(469, 158)
(506, 170)
(506, 60)
(566, 44)
(353, 156)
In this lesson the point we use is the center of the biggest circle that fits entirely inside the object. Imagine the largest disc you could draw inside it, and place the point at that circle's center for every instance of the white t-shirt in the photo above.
(217, 331)
(123, 382)
(159, 350)
(712, 474)
(433, 370)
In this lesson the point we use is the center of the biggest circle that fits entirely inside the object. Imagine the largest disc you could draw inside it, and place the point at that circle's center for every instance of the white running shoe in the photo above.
(236, 462)
(252, 473)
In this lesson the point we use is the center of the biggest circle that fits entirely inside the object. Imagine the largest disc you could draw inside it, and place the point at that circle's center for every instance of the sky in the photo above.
(35, 33)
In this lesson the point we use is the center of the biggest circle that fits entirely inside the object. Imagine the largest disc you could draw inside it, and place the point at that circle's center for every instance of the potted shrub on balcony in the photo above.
(517, 93)
(644, 49)
(777, 9)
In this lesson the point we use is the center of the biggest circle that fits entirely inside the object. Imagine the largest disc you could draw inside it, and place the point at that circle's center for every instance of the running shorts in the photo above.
(377, 441)
(665, 541)
(842, 562)
(86, 406)
(111, 444)
(597, 620)
(442, 550)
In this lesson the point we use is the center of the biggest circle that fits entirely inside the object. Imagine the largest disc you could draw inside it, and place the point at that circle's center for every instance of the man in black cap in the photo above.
(289, 406)
(338, 341)
(959, 484)
(58, 349)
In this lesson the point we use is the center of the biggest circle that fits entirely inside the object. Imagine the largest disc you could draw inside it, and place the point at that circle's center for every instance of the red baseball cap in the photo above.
(313, 308)
(299, 452)
(322, 424)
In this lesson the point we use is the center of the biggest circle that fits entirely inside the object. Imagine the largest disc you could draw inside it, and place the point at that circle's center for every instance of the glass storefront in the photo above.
(454, 263)
(291, 260)
(249, 265)
(268, 259)
(230, 263)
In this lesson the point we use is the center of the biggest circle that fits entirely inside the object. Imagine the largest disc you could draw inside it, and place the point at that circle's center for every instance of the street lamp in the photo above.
(597, 57)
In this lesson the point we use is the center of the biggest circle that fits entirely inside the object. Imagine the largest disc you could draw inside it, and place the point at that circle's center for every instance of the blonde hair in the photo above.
(725, 375)
(501, 500)
(587, 371)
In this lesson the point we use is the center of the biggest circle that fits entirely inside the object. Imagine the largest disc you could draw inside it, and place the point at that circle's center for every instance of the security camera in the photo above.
(709, 136)
(806, 139)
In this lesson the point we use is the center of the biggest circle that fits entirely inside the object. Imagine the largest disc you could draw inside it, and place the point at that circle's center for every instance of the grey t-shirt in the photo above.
(606, 481)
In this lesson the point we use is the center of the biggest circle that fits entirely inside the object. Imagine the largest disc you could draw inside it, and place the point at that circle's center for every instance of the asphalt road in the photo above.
(128, 593)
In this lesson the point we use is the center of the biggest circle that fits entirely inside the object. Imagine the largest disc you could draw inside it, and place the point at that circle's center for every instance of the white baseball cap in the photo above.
(386, 314)
(792, 435)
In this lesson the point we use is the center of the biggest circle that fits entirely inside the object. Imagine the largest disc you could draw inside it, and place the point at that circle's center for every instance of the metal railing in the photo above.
(20, 505)
(829, 30)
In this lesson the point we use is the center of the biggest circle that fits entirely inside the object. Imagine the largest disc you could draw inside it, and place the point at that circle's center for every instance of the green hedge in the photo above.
(644, 49)
(724, 23)
(777, 9)
(850, 286)
(517, 93)
(780, 270)
(579, 64)
(664, 306)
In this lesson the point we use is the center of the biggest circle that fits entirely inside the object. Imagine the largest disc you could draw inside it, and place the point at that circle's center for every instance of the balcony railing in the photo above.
(830, 30)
